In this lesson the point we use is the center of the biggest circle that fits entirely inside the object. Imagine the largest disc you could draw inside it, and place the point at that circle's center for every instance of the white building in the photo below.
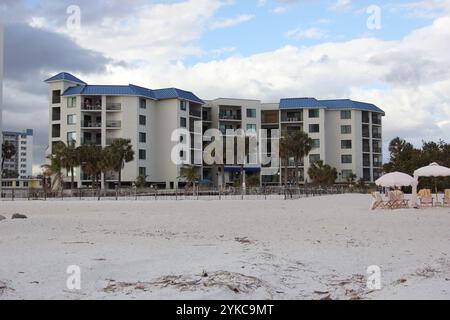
(22, 161)
(1, 90)
(347, 134)
(93, 114)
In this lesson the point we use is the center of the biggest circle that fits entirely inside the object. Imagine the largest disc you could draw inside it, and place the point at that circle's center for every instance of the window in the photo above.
(346, 174)
(25, 183)
(142, 137)
(251, 127)
(314, 128)
(142, 103)
(346, 114)
(346, 158)
(314, 113)
(251, 113)
(56, 96)
(142, 120)
(315, 143)
(183, 122)
(142, 154)
(142, 171)
(71, 119)
(346, 144)
(183, 105)
(71, 102)
(314, 158)
(346, 129)
(71, 136)
(17, 183)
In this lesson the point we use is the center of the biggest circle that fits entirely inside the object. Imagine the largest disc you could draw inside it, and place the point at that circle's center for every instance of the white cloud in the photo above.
(341, 5)
(279, 10)
(225, 23)
(413, 73)
(311, 33)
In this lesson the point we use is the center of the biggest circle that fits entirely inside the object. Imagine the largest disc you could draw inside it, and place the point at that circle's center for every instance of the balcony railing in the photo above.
(224, 116)
(90, 141)
(114, 124)
(291, 119)
(376, 149)
(195, 113)
(378, 164)
(113, 107)
(376, 135)
(89, 107)
(91, 124)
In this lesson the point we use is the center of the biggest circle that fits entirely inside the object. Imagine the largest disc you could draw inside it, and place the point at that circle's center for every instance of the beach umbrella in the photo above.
(395, 179)
(433, 170)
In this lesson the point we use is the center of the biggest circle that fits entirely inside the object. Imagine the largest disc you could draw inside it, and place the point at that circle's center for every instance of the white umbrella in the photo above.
(433, 170)
(395, 179)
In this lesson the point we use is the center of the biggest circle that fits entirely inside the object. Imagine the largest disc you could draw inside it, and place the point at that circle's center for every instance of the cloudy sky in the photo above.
(264, 49)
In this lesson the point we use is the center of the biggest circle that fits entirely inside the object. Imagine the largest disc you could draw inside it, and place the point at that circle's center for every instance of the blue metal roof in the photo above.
(130, 90)
(65, 76)
(133, 90)
(350, 104)
(300, 103)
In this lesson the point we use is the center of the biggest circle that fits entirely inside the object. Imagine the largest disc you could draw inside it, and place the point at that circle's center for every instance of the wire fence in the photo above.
(133, 193)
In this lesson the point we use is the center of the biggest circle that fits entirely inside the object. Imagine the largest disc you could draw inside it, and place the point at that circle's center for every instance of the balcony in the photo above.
(113, 107)
(291, 119)
(89, 107)
(109, 141)
(91, 141)
(195, 113)
(376, 134)
(377, 150)
(91, 124)
(378, 164)
(113, 124)
(227, 116)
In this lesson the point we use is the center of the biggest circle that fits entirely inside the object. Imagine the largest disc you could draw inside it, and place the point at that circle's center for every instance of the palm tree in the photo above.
(189, 173)
(322, 174)
(91, 162)
(70, 158)
(284, 154)
(107, 162)
(8, 151)
(300, 145)
(122, 152)
(54, 169)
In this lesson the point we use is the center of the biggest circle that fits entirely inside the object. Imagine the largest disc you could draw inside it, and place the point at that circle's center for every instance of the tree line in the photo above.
(404, 157)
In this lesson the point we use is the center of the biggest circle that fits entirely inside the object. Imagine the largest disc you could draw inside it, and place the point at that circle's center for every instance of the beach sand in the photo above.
(311, 248)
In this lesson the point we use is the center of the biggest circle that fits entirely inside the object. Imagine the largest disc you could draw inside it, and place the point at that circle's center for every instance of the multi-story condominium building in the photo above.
(1, 89)
(347, 134)
(98, 114)
(22, 162)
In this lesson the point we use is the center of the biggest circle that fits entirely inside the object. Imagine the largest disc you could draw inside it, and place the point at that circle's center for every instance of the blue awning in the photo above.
(238, 169)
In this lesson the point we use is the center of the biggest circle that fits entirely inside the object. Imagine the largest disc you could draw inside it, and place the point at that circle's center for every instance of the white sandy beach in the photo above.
(313, 248)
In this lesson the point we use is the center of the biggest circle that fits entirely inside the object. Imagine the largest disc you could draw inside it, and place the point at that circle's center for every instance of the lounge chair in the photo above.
(446, 200)
(393, 202)
(401, 201)
(378, 202)
(425, 197)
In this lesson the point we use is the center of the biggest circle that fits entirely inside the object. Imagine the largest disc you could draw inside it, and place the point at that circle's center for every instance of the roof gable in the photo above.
(65, 76)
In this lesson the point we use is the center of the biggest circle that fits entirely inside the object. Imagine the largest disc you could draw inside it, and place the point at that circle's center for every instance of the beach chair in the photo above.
(393, 202)
(446, 200)
(425, 197)
(378, 202)
(401, 201)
